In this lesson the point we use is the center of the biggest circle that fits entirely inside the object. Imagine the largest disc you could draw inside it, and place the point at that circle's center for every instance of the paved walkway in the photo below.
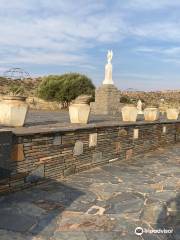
(105, 203)
(49, 117)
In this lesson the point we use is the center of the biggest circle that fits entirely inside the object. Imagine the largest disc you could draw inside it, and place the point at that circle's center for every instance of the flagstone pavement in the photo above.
(107, 203)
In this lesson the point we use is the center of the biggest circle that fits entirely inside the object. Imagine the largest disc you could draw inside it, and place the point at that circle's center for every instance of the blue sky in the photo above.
(56, 36)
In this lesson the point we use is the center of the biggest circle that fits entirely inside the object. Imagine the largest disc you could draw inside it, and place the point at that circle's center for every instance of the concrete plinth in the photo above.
(107, 100)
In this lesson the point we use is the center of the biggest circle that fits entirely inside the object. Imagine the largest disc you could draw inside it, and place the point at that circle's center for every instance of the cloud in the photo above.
(164, 31)
(76, 34)
(150, 4)
(173, 52)
(61, 31)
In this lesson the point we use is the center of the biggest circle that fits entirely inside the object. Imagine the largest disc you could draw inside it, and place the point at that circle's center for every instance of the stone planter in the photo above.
(79, 113)
(129, 113)
(151, 114)
(172, 113)
(13, 110)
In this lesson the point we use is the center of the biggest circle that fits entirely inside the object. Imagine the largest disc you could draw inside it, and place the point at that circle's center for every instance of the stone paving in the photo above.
(106, 203)
(47, 117)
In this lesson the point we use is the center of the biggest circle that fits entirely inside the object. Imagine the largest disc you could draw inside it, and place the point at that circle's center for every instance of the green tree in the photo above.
(125, 99)
(65, 88)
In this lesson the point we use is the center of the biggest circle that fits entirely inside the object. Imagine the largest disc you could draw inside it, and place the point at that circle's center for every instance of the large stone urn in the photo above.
(151, 114)
(172, 113)
(13, 110)
(129, 113)
(79, 110)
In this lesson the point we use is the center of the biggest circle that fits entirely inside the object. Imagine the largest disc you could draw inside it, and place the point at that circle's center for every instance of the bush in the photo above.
(126, 99)
(16, 89)
(65, 88)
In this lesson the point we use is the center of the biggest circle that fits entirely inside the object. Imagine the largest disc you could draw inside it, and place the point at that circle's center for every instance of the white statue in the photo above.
(108, 69)
(139, 107)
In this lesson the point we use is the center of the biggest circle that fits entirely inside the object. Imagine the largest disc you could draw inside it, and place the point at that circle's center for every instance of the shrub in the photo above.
(16, 89)
(126, 99)
(65, 88)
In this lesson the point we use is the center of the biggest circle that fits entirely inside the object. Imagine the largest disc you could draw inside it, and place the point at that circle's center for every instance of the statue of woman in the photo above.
(108, 69)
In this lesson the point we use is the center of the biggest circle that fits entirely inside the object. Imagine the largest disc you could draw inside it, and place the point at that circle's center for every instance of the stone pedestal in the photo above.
(107, 100)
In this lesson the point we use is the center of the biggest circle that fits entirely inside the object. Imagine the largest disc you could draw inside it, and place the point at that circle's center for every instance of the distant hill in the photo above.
(30, 85)
(149, 98)
(172, 97)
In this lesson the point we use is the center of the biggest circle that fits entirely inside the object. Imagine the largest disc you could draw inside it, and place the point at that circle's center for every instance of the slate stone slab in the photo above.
(16, 222)
(69, 236)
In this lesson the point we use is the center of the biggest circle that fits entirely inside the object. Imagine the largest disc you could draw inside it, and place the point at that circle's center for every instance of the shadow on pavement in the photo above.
(34, 211)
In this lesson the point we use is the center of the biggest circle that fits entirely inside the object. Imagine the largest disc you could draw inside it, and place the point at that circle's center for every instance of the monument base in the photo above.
(107, 101)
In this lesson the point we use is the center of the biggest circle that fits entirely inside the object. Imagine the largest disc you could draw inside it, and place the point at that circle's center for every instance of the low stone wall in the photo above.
(40, 154)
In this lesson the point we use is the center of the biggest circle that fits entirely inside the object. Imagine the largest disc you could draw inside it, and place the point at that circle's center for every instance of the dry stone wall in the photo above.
(48, 155)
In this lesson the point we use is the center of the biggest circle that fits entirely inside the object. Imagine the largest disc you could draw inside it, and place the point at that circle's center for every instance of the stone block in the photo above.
(107, 100)
(78, 148)
(17, 152)
(92, 139)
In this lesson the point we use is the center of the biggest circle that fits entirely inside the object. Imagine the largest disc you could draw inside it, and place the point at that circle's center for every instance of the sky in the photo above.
(57, 36)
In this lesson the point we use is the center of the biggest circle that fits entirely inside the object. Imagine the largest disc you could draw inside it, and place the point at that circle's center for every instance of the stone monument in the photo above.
(107, 96)
(139, 107)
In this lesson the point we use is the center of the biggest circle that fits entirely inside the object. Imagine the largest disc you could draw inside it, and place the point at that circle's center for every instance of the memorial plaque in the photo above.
(164, 129)
(5, 153)
(78, 148)
(136, 134)
(122, 133)
(92, 139)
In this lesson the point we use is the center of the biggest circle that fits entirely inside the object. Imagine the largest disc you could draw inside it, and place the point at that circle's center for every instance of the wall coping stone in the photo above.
(67, 127)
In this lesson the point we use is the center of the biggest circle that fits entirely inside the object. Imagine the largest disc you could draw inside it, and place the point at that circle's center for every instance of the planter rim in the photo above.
(79, 103)
(151, 108)
(17, 98)
(129, 106)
